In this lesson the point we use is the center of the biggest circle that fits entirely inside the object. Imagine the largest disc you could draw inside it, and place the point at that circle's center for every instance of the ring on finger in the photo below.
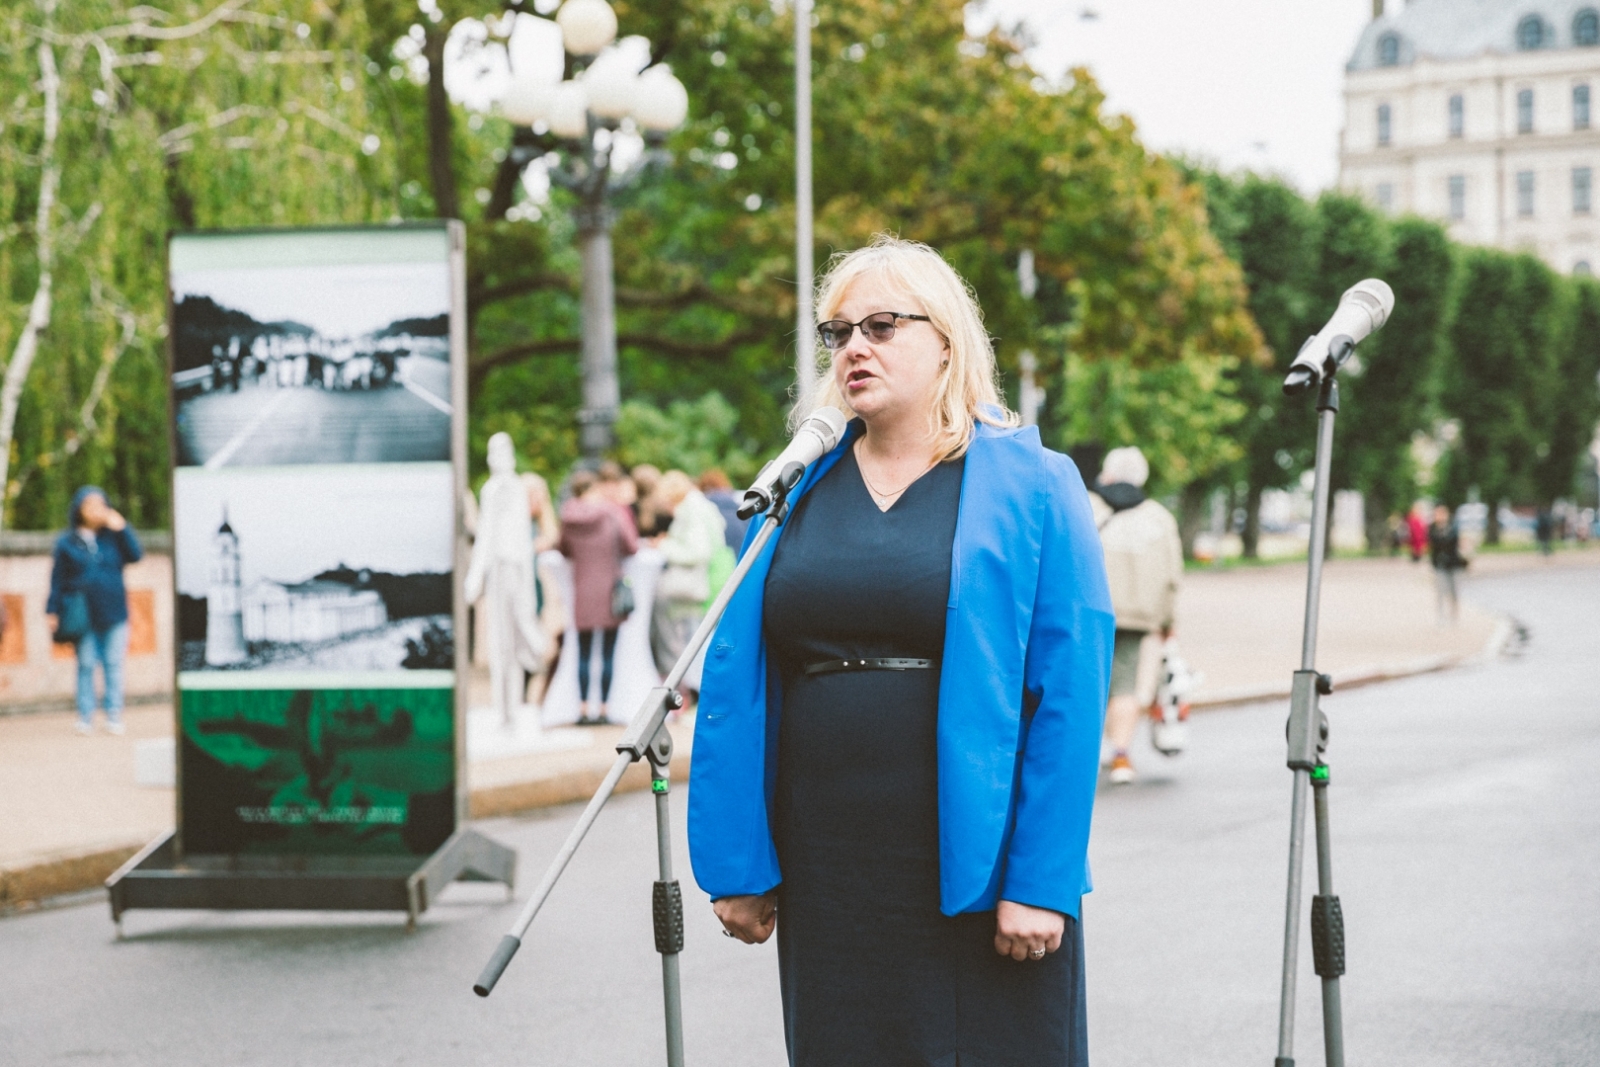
(1037, 954)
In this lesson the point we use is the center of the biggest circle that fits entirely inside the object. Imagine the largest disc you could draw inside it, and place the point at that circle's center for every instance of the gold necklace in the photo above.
(883, 497)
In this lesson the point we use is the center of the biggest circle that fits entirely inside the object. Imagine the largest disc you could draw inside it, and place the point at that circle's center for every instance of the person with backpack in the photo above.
(88, 605)
(1144, 564)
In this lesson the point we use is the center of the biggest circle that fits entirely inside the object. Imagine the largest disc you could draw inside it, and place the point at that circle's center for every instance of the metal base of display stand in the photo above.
(157, 878)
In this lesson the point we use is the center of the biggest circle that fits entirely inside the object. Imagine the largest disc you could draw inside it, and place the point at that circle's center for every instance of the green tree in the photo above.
(215, 114)
(1501, 341)
(1353, 242)
(693, 436)
(1572, 395)
(1270, 230)
(955, 142)
(1388, 402)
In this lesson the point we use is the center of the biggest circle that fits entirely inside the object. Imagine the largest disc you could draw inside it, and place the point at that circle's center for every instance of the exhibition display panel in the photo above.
(318, 437)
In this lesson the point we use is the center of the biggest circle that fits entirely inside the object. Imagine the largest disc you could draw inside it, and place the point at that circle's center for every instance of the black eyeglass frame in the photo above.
(822, 328)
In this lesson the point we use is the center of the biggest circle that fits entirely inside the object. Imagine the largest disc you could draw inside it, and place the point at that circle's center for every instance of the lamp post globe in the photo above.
(587, 26)
(612, 85)
(661, 102)
(527, 101)
(608, 91)
(568, 115)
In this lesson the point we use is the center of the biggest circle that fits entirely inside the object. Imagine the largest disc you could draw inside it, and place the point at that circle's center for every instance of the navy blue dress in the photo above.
(873, 975)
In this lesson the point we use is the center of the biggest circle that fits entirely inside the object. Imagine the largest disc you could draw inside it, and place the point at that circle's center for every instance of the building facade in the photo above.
(306, 612)
(1481, 114)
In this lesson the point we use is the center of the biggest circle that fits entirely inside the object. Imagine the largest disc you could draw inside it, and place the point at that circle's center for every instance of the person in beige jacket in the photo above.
(1144, 563)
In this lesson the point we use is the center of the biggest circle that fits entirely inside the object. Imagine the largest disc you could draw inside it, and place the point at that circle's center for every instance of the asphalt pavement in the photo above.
(1465, 815)
(265, 425)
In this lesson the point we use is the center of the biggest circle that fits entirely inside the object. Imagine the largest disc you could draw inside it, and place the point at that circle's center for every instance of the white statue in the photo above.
(501, 573)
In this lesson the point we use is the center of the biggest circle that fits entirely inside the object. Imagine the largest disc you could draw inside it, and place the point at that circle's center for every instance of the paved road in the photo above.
(1466, 816)
(262, 425)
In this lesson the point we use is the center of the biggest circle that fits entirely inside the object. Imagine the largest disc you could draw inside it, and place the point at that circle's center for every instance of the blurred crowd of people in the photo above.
(605, 514)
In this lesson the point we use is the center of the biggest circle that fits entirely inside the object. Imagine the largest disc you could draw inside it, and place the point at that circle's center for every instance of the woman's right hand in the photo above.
(749, 918)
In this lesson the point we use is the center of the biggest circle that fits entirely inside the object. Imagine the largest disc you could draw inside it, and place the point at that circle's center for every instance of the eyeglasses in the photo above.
(877, 328)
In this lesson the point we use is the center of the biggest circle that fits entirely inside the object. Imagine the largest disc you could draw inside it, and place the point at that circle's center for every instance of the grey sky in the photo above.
(344, 300)
(1244, 83)
(294, 522)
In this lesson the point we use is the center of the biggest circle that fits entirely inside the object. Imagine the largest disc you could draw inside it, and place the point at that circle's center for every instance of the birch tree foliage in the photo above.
(121, 123)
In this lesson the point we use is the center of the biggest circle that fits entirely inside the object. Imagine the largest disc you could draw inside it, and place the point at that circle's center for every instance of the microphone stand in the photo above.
(647, 738)
(1308, 738)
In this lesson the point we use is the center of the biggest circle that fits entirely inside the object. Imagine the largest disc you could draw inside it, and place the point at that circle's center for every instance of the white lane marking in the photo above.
(425, 396)
(226, 452)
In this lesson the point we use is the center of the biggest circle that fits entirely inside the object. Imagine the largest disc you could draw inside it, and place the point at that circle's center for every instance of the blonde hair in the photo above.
(968, 393)
(673, 487)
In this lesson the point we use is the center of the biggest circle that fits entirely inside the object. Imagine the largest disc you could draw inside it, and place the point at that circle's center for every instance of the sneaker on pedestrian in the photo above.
(1121, 769)
(82, 729)
(115, 728)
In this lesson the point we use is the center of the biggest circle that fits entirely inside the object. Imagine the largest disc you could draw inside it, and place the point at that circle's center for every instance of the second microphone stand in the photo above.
(647, 738)
(1308, 738)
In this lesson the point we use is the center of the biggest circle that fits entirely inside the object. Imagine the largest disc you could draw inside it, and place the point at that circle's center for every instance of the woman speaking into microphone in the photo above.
(899, 728)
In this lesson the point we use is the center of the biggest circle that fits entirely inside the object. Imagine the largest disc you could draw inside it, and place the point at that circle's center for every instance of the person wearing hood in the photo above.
(1144, 564)
(597, 534)
(87, 594)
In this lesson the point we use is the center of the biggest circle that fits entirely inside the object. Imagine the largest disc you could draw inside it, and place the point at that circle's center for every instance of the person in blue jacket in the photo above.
(89, 559)
(899, 731)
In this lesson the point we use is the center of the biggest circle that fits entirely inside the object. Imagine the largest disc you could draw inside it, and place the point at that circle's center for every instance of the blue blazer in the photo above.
(1022, 695)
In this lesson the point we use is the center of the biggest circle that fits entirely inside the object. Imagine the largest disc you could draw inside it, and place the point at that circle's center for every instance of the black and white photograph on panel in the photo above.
(311, 347)
(341, 567)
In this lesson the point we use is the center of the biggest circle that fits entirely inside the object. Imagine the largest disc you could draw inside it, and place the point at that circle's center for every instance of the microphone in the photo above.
(1363, 309)
(814, 439)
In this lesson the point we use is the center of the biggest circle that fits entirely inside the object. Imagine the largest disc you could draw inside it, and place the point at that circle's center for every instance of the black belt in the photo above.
(887, 663)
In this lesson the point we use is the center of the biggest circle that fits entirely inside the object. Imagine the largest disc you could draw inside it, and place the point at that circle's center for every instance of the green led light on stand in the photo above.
(1319, 773)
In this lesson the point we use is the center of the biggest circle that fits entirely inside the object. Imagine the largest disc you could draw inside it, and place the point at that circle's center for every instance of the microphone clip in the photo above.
(1306, 373)
(774, 496)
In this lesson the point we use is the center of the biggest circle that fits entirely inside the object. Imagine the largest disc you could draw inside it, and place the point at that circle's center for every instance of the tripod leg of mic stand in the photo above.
(1327, 926)
(1291, 924)
(667, 906)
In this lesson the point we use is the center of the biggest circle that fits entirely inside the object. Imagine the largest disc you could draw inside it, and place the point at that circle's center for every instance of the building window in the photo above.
(1386, 195)
(1582, 269)
(1525, 194)
(1389, 50)
(1530, 33)
(1582, 184)
(1458, 115)
(1458, 196)
(1580, 107)
(1385, 130)
(1586, 28)
(1524, 110)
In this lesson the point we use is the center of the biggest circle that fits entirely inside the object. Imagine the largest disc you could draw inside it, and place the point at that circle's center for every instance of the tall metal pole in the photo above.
(805, 354)
(1029, 398)
(601, 393)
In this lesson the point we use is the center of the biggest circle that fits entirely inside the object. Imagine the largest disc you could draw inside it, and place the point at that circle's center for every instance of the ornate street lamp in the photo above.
(609, 92)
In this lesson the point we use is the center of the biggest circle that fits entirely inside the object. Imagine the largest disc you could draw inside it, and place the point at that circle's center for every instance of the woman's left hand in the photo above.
(1026, 933)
